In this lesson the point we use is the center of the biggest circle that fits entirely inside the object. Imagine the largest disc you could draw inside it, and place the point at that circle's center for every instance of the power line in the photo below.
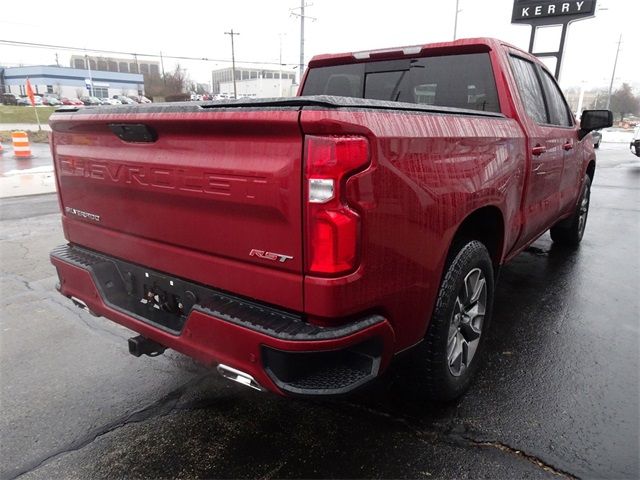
(133, 54)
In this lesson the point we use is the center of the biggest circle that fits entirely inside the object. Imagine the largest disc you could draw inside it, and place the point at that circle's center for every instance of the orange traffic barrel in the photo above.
(21, 147)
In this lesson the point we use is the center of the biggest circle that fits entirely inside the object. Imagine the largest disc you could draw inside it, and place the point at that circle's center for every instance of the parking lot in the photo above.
(557, 397)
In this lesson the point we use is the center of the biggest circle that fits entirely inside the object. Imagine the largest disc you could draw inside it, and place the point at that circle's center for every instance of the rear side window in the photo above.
(461, 81)
(558, 110)
(341, 81)
(529, 88)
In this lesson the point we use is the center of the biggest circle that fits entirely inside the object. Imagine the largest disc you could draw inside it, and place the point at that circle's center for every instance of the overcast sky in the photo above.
(196, 28)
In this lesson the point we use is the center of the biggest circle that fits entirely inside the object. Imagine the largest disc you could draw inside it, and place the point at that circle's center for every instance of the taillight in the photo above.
(332, 228)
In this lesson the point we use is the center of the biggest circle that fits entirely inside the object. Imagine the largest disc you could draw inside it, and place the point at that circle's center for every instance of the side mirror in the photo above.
(594, 120)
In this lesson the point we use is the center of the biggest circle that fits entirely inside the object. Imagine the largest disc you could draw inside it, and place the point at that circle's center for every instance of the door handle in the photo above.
(537, 170)
(538, 150)
(567, 146)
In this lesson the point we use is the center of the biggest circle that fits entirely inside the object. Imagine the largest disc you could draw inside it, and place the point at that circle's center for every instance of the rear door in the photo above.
(545, 152)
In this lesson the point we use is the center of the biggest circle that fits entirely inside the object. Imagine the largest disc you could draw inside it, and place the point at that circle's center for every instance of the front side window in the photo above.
(530, 90)
(459, 81)
(558, 111)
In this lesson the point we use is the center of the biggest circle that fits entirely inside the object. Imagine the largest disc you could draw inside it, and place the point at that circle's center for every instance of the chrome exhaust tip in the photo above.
(240, 377)
(82, 305)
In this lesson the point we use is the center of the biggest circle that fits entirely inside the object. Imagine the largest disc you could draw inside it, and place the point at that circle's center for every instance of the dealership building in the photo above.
(70, 82)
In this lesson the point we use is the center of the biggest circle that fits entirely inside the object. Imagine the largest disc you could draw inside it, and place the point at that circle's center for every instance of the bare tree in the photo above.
(173, 83)
(623, 101)
(177, 81)
(79, 92)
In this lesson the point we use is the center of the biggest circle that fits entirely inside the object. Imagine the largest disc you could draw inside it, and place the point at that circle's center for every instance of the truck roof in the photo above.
(463, 45)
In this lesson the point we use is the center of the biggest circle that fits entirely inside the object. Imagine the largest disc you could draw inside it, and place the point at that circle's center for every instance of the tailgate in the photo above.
(211, 195)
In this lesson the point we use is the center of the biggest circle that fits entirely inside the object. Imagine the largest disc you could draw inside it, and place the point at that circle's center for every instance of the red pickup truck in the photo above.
(300, 244)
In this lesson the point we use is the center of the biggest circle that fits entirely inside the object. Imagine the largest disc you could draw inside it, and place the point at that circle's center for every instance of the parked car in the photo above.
(596, 137)
(51, 101)
(24, 101)
(124, 99)
(90, 100)
(9, 99)
(635, 142)
(139, 99)
(301, 244)
(110, 101)
(71, 101)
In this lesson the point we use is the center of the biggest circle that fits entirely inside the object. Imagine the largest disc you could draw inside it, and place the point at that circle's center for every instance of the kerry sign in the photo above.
(544, 13)
(532, 11)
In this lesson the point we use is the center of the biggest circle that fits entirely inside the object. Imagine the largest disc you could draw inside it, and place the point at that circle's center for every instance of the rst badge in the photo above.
(82, 214)
(276, 257)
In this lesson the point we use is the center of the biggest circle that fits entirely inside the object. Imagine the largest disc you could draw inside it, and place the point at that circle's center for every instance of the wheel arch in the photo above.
(485, 224)
(591, 169)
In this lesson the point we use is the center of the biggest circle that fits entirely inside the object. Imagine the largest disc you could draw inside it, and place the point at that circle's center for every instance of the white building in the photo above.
(260, 88)
(254, 82)
(110, 64)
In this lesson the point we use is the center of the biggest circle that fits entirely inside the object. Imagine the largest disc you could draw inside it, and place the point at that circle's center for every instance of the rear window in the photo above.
(460, 81)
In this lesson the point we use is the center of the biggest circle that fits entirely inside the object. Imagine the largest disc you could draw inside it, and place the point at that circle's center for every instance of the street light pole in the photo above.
(233, 62)
(613, 74)
(86, 57)
(280, 86)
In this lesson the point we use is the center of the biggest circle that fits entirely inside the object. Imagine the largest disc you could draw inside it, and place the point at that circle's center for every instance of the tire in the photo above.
(451, 352)
(569, 232)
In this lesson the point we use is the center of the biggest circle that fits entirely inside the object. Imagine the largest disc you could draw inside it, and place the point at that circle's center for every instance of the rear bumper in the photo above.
(279, 349)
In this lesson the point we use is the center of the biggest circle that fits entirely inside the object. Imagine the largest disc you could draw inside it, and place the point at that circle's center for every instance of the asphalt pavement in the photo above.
(41, 157)
(558, 396)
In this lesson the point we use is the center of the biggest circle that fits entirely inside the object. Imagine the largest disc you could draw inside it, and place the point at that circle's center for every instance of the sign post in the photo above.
(543, 13)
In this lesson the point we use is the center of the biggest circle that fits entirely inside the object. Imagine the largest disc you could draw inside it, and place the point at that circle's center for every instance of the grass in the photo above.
(34, 137)
(13, 114)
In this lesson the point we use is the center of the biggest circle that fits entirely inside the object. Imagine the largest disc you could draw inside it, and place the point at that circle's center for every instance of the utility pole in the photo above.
(302, 16)
(455, 23)
(301, 66)
(613, 74)
(233, 62)
(162, 66)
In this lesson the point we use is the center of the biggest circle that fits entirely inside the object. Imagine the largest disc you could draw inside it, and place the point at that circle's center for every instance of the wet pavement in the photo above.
(557, 397)
(41, 157)
(27, 176)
